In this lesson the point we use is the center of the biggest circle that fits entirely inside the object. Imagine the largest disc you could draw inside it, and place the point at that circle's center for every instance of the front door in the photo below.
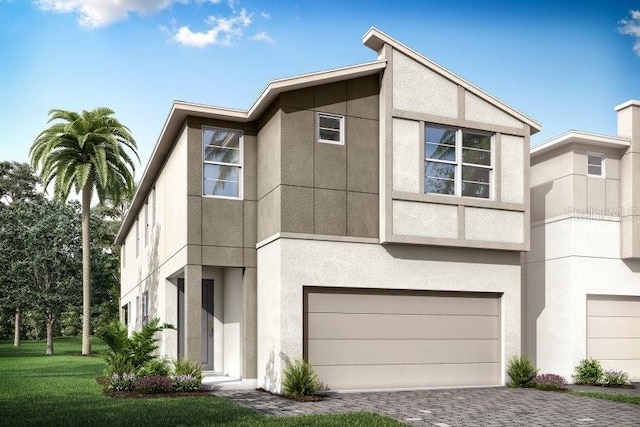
(207, 324)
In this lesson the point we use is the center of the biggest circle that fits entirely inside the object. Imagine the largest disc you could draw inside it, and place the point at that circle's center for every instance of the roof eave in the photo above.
(578, 137)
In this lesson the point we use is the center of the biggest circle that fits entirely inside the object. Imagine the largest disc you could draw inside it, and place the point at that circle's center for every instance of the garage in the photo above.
(613, 332)
(377, 339)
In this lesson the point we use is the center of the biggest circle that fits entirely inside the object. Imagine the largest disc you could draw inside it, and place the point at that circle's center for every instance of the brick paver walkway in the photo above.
(457, 407)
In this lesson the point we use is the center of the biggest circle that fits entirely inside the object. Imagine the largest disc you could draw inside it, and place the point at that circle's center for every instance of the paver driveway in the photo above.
(457, 407)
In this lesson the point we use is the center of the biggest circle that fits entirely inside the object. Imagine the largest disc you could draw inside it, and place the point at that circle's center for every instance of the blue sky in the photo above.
(564, 63)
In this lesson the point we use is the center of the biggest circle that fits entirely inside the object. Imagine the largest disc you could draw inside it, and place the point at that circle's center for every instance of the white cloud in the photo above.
(631, 27)
(262, 36)
(265, 14)
(223, 32)
(99, 13)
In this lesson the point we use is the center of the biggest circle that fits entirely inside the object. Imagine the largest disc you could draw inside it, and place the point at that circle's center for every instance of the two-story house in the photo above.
(582, 275)
(369, 218)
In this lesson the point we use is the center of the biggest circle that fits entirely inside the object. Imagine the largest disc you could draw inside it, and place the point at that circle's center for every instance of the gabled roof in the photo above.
(180, 110)
(574, 136)
(376, 39)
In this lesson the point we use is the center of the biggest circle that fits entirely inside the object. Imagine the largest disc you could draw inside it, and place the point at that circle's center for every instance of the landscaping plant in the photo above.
(299, 379)
(153, 384)
(155, 366)
(186, 382)
(122, 382)
(521, 371)
(187, 367)
(549, 382)
(589, 372)
(613, 378)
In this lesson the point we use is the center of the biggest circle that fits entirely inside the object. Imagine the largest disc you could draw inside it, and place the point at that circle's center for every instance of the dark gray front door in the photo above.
(207, 324)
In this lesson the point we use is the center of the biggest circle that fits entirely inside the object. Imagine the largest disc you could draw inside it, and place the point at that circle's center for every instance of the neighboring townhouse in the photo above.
(582, 275)
(369, 218)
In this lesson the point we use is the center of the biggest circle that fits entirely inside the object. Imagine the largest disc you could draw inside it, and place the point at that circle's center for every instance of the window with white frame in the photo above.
(137, 238)
(145, 308)
(153, 206)
(595, 164)
(222, 168)
(458, 162)
(330, 128)
(146, 223)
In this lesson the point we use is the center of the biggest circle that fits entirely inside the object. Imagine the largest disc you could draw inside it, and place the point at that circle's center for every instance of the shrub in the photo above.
(155, 366)
(187, 367)
(118, 363)
(153, 384)
(588, 371)
(615, 378)
(299, 379)
(122, 382)
(549, 382)
(186, 382)
(521, 371)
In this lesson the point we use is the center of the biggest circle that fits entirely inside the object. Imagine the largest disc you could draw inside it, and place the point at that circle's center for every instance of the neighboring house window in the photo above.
(146, 223)
(222, 169)
(123, 254)
(137, 311)
(330, 128)
(137, 238)
(457, 162)
(145, 308)
(153, 206)
(595, 164)
(125, 314)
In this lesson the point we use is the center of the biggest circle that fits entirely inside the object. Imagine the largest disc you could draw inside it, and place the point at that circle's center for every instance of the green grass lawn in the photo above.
(61, 390)
(626, 398)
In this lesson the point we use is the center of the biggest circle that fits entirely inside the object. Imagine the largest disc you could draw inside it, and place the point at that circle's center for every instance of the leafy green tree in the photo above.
(44, 243)
(87, 152)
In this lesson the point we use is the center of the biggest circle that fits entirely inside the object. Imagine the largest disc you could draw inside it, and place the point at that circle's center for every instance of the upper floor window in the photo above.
(330, 128)
(146, 223)
(595, 164)
(457, 162)
(145, 308)
(137, 238)
(222, 168)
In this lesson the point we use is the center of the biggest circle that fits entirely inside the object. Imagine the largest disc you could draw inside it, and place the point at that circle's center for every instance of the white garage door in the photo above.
(358, 339)
(613, 332)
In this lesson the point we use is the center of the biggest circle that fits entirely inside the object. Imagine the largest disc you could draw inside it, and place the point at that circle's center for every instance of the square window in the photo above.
(595, 164)
(330, 128)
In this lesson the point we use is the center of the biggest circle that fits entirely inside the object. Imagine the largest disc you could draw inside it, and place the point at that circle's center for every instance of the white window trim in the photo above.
(458, 164)
(146, 223)
(240, 164)
(603, 157)
(137, 238)
(333, 116)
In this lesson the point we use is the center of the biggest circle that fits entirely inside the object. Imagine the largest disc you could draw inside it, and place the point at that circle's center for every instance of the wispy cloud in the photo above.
(631, 27)
(100, 13)
(265, 14)
(262, 36)
(223, 31)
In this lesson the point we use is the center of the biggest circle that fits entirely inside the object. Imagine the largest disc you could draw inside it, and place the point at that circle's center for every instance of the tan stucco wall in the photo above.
(413, 95)
(286, 265)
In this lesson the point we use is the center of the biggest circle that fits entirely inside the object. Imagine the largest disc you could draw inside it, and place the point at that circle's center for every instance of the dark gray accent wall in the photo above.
(319, 188)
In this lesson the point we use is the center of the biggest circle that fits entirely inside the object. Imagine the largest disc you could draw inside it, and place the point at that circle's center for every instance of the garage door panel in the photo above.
(604, 348)
(322, 302)
(632, 367)
(399, 376)
(613, 327)
(385, 352)
(613, 306)
(397, 326)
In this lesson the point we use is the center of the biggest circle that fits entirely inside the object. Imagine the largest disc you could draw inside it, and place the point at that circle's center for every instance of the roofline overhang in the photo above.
(376, 39)
(180, 110)
(578, 137)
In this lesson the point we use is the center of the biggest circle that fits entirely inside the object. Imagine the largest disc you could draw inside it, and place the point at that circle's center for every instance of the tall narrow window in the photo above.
(595, 164)
(123, 254)
(145, 308)
(146, 223)
(153, 206)
(222, 175)
(457, 162)
(137, 238)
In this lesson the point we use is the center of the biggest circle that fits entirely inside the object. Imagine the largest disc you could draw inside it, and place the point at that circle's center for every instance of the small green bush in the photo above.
(186, 382)
(187, 367)
(153, 385)
(588, 371)
(549, 382)
(299, 379)
(118, 363)
(615, 378)
(154, 367)
(521, 371)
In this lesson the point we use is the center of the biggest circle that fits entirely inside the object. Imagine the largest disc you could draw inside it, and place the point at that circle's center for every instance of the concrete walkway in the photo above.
(457, 407)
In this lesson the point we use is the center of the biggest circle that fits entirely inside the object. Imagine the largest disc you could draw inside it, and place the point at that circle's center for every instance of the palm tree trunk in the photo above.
(86, 270)
(49, 336)
(16, 331)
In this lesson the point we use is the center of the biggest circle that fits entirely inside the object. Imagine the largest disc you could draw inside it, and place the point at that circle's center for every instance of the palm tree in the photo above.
(86, 151)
